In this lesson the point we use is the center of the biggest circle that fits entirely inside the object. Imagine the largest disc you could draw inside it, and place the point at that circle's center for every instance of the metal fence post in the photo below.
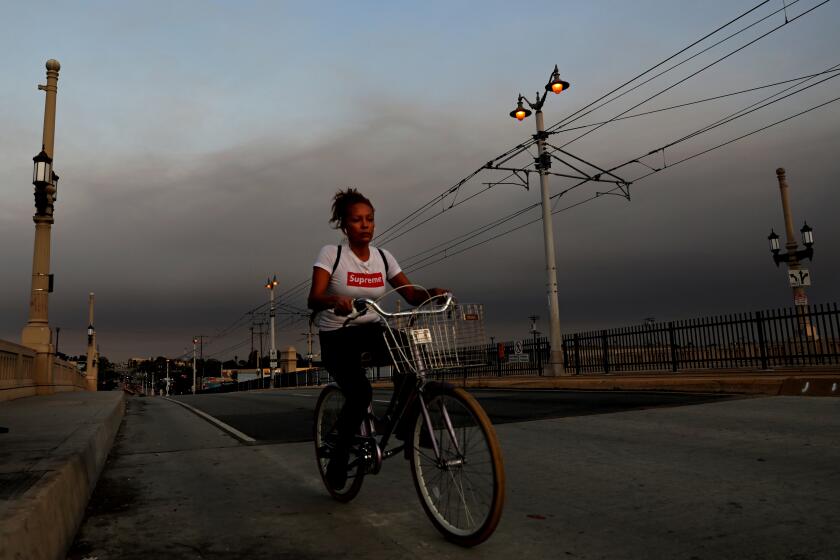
(762, 341)
(606, 350)
(672, 339)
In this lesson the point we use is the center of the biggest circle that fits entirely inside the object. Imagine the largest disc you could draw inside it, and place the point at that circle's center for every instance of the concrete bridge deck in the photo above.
(57, 444)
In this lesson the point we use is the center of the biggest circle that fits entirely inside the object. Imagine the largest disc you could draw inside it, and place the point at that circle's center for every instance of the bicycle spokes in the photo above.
(456, 476)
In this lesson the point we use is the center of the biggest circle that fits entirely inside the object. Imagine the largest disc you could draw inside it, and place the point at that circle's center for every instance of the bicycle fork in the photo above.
(421, 372)
(447, 421)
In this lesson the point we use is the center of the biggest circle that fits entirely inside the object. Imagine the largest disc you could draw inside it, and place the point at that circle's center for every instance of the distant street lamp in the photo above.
(798, 277)
(91, 370)
(536, 348)
(520, 113)
(271, 283)
(195, 342)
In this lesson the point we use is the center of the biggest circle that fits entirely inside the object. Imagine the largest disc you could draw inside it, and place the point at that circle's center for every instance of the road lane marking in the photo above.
(244, 438)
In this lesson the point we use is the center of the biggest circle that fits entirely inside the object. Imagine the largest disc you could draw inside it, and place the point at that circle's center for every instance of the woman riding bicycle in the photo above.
(341, 273)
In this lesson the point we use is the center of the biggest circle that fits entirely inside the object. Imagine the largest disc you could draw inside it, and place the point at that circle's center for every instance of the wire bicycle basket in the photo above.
(437, 338)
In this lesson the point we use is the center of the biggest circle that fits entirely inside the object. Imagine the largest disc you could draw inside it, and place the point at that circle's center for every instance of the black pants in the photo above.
(345, 353)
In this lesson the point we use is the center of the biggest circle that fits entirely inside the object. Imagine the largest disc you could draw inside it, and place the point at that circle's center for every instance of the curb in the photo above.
(43, 522)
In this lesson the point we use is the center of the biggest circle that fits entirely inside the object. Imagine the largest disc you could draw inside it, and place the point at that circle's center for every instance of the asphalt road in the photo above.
(753, 479)
(286, 415)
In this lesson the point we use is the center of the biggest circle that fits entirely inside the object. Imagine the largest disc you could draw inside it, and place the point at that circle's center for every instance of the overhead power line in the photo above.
(636, 180)
(703, 69)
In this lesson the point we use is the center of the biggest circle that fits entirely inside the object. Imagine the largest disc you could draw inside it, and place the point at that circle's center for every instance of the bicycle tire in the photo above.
(327, 408)
(480, 454)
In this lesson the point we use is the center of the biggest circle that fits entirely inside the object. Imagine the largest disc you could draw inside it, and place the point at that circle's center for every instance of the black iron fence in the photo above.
(521, 357)
(797, 336)
(525, 357)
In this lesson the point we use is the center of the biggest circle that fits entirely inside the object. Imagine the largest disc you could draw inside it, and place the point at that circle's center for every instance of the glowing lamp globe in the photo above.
(520, 113)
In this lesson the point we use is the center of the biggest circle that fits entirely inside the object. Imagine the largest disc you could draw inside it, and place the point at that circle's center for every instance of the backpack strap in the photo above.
(314, 314)
(337, 258)
(384, 260)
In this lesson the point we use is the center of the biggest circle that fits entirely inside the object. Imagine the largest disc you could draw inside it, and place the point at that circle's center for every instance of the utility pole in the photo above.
(37, 334)
(167, 377)
(272, 360)
(543, 164)
(551, 266)
(308, 336)
(259, 357)
(92, 368)
(201, 338)
(195, 343)
(252, 338)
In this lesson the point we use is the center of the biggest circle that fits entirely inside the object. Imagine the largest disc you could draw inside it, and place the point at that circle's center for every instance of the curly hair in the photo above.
(342, 201)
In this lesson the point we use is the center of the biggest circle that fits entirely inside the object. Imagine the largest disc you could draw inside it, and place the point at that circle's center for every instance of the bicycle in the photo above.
(455, 458)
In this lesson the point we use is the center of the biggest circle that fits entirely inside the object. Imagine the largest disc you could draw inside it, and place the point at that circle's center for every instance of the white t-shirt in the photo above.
(354, 278)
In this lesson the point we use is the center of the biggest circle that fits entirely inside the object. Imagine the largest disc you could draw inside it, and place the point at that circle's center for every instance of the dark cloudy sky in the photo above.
(199, 144)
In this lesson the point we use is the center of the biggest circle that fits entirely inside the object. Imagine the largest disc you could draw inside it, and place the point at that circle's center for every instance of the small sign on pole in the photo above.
(799, 278)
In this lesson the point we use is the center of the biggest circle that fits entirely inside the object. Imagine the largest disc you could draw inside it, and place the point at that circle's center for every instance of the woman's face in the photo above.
(358, 224)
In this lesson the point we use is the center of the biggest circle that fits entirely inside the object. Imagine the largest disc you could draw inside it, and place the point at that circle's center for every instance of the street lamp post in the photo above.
(272, 361)
(37, 334)
(92, 369)
(543, 164)
(536, 349)
(195, 342)
(798, 277)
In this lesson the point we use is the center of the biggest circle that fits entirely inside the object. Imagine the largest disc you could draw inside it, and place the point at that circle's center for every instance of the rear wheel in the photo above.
(462, 490)
(327, 410)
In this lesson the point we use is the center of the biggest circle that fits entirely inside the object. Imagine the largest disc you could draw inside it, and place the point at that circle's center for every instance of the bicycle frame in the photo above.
(366, 432)
(382, 452)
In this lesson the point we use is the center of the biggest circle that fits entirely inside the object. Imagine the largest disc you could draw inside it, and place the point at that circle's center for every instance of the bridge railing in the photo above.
(802, 336)
(18, 373)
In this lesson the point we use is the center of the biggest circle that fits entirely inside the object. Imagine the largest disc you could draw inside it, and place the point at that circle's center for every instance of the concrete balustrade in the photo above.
(18, 379)
(66, 377)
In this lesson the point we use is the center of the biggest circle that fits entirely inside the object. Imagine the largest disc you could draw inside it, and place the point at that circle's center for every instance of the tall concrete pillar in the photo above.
(92, 366)
(37, 333)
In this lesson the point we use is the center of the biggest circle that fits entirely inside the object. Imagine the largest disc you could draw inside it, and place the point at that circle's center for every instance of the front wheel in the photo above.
(327, 410)
(462, 487)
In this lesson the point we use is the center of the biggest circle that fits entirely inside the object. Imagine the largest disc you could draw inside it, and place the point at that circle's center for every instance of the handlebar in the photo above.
(361, 306)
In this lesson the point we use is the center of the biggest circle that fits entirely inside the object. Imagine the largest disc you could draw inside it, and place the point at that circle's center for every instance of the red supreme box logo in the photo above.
(362, 280)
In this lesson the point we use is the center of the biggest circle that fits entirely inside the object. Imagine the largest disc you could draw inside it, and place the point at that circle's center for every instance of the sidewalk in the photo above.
(50, 460)
(804, 382)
